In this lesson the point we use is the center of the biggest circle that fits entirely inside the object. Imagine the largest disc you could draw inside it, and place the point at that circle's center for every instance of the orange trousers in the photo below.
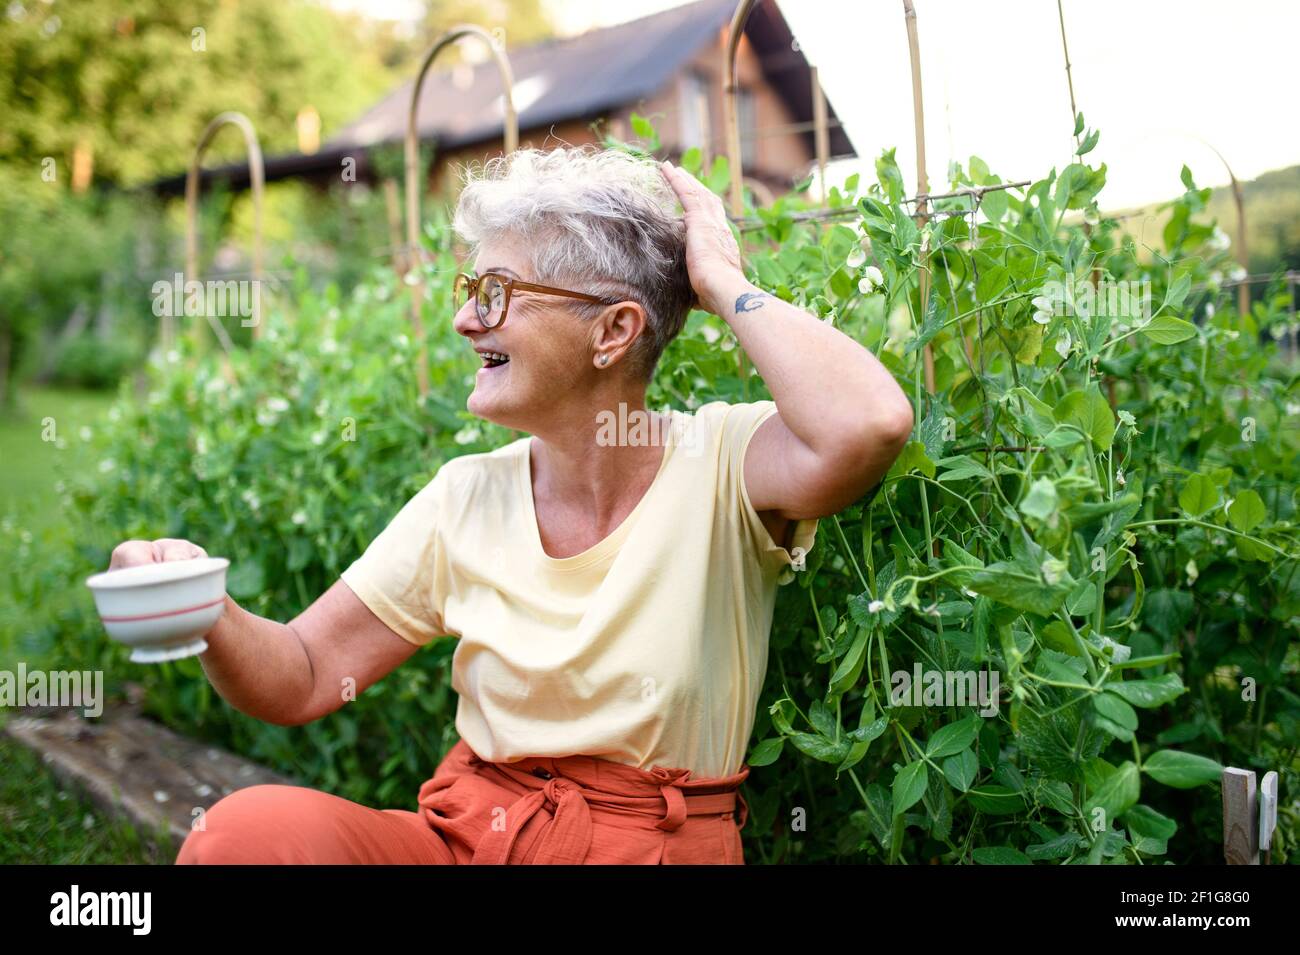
(566, 810)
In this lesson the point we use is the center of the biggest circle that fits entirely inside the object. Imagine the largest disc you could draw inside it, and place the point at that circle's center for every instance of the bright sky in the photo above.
(1159, 78)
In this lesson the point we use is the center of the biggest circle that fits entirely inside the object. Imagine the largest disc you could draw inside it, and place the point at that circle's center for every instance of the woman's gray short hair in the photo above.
(596, 220)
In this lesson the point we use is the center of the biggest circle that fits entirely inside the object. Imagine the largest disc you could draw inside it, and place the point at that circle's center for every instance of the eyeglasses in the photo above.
(493, 290)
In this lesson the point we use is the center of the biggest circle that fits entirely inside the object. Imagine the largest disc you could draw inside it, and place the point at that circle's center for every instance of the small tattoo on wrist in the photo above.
(750, 301)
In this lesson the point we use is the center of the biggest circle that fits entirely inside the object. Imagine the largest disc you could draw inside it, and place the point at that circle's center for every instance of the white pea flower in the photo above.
(318, 438)
(856, 257)
(1063, 344)
(1219, 240)
(1192, 572)
(710, 334)
(1237, 273)
(1052, 569)
(876, 606)
(1209, 309)
(329, 346)
(277, 405)
(1215, 279)
(1090, 216)
(871, 280)
(1292, 407)
(299, 517)
(1043, 318)
(1119, 477)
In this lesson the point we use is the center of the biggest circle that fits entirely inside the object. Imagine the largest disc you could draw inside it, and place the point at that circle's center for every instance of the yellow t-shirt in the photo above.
(647, 649)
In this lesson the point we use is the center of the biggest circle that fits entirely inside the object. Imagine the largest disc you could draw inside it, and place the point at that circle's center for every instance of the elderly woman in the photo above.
(610, 580)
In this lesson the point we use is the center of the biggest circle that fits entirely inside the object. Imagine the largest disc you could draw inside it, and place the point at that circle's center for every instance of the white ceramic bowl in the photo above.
(162, 611)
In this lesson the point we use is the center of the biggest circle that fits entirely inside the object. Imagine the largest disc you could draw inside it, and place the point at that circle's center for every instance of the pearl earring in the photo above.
(604, 359)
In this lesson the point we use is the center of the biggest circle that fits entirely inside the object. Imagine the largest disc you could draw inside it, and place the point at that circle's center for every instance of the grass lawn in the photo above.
(40, 820)
(29, 473)
(43, 823)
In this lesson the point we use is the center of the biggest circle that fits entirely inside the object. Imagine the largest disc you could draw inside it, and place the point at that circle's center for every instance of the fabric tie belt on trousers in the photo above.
(623, 794)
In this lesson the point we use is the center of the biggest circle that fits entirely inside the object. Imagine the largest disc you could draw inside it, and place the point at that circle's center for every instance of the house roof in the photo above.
(558, 80)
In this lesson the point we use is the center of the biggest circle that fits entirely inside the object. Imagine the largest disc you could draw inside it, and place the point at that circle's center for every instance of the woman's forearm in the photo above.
(830, 390)
(259, 667)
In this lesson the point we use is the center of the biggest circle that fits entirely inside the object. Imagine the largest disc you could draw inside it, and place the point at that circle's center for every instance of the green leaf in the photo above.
(1017, 586)
(1117, 794)
(642, 126)
(1033, 416)
(1182, 770)
(1177, 293)
(1116, 710)
(692, 160)
(870, 732)
(1198, 495)
(1145, 821)
(1246, 512)
(962, 466)
(821, 748)
(1041, 501)
(960, 769)
(909, 786)
(719, 177)
(952, 738)
(1167, 330)
(1090, 413)
(913, 458)
(766, 752)
(1149, 694)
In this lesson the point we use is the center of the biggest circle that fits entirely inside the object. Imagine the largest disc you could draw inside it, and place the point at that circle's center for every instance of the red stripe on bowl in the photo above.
(166, 613)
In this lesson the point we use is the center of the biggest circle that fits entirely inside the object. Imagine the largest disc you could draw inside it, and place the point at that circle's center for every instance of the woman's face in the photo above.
(546, 346)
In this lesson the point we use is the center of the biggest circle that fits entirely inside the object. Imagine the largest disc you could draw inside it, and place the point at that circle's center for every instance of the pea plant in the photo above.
(1069, 604)
(1074, 596)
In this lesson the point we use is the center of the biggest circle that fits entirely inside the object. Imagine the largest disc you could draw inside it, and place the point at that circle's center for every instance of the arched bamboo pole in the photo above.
(257, 182)
(922, 180)
(412, 258)
(730, 113)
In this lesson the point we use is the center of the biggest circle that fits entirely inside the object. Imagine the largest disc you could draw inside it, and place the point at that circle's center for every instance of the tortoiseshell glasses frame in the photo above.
(492, 284)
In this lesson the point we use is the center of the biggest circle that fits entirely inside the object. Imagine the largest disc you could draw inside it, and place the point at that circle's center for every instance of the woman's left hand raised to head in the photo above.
(712, 253)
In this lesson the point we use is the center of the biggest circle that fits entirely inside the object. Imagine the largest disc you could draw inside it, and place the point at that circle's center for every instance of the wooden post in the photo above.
(822, 133)
(1267, 813)
(731, 116)
(1240, 817)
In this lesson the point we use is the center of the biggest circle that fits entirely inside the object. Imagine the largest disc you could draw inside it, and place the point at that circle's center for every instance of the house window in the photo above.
(748, 127)
(694, 111)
